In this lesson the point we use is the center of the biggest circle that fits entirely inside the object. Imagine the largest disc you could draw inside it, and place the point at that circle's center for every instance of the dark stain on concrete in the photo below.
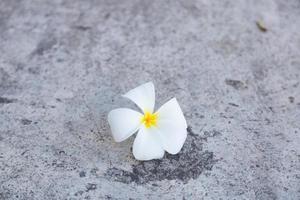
(291, 99)
(26, 121)
(233, 104)
(236, 84)
(82, 174)
(90, 186)
(82, 28)
(44, 45)
(188, 164)
(4, 100)
(34, 70)
(19, 66)
(107, 15)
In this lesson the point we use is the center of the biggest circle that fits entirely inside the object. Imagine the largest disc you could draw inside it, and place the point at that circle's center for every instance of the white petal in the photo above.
(123, 123)
(146, 145)
(143, 96)
(171, 126)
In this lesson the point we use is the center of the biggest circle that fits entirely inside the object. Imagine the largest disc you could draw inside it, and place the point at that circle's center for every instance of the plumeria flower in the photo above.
(157, 132)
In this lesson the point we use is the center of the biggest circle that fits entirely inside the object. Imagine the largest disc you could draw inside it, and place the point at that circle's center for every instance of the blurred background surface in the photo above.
(234, 67)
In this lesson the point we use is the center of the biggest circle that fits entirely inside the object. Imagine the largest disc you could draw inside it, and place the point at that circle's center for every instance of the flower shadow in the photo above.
(188, 164)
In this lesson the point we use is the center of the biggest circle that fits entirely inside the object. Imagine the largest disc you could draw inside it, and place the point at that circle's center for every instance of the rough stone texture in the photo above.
(64, 64)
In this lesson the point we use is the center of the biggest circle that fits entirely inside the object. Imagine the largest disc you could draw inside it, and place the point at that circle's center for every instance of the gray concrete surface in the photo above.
(64, 64)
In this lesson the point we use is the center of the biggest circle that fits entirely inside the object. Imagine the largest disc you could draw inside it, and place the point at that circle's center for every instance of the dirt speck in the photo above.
(261, 26)
(82, 27)
(236, 84)
(291, 99)
(82, 174)
(90, 186)
(4, 100)
(26, 121)
(233, 104)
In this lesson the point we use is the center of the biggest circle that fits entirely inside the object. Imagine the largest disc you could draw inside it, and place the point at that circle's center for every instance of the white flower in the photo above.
(160, 131)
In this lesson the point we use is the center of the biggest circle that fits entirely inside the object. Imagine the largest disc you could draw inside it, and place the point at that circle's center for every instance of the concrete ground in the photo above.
(234, 67)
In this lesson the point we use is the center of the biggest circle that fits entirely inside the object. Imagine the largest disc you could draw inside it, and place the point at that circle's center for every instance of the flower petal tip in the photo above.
(143, 96)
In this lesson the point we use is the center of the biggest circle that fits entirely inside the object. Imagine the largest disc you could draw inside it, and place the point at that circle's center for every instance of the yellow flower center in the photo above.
(149, 119)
